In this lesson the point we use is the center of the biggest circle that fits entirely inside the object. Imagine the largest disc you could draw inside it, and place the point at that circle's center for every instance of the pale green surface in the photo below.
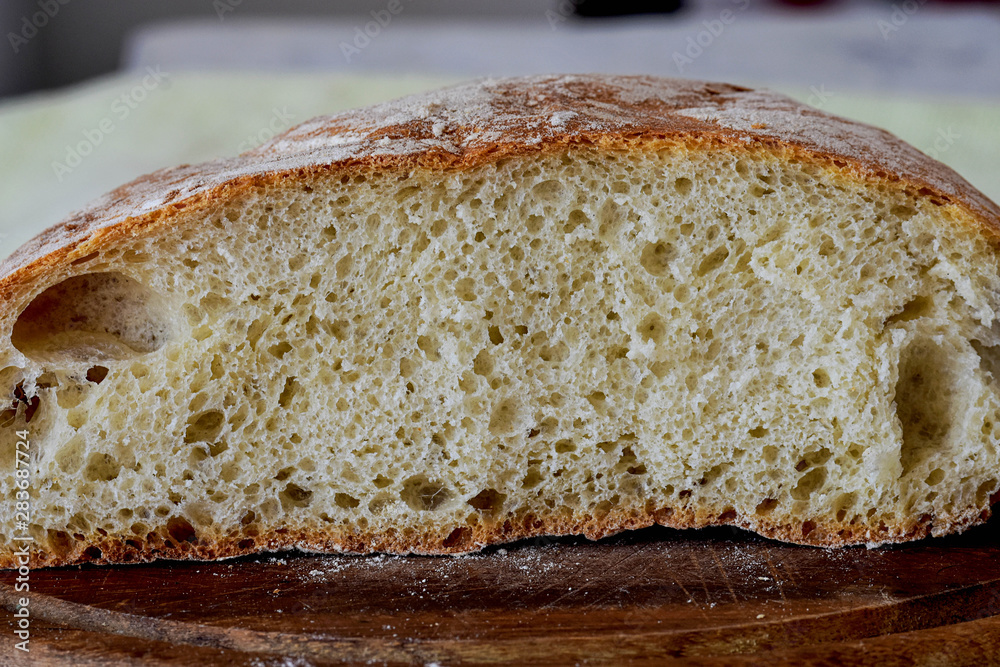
(189, 118)
(193, 117)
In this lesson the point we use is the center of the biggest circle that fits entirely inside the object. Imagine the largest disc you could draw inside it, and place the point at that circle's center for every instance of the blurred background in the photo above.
(96, 92)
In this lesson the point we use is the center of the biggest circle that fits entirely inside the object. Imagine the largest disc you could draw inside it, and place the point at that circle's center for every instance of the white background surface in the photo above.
(872, 47)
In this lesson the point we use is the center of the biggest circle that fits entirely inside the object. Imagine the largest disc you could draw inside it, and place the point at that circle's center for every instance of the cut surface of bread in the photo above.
(518, 307)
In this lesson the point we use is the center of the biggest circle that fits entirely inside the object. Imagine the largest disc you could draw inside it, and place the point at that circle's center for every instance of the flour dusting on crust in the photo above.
(485, 120)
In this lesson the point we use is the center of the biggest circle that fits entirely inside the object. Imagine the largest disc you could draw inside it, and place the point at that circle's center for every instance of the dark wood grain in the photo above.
(718, 596)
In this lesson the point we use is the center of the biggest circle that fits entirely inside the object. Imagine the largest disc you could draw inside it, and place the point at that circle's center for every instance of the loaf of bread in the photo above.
(517, 307)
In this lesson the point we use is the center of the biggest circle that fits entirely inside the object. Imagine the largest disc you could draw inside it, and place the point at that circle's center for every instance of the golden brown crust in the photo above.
(485, 121)
(472, 125)
(111, 549)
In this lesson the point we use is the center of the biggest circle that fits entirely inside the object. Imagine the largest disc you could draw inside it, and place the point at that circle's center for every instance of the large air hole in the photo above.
(808, 483)
(204, 427)
(181, 530)
(92, 317)
(295, 496)
(924, 396)
(488, 502)
(422, 494)
(505, 417)
(713, 261)
(653, 328)
(917, 307)
(101, 467)
(656, 258)
(989, 358)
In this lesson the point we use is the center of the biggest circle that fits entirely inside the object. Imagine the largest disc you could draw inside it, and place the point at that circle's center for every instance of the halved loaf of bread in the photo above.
(518, 307)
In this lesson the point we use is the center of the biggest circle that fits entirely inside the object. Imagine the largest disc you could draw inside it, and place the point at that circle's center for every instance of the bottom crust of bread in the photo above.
(466, 539)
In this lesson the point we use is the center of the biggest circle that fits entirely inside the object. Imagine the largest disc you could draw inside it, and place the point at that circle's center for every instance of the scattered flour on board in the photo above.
(527, 562)
(285, 661)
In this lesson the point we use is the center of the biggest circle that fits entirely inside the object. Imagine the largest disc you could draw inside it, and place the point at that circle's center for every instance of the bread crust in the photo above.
(114, 549)
(461, 128)
(486, 121)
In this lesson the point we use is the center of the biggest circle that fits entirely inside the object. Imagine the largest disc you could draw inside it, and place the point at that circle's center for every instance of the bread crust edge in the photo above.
(448, 540)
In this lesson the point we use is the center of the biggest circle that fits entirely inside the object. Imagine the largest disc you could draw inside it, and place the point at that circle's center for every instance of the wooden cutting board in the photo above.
(717, 597)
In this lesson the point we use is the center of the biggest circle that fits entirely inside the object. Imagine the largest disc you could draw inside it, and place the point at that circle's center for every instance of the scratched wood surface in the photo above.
(659, 596)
